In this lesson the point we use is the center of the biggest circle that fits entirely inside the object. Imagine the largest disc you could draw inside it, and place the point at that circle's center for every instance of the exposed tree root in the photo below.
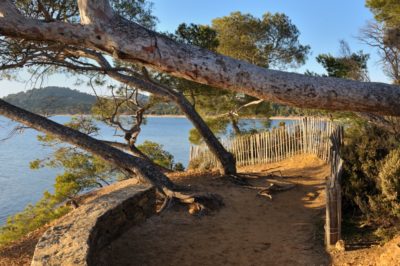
(240, 180)
(264, 191)
(198, 204)
(272, 188)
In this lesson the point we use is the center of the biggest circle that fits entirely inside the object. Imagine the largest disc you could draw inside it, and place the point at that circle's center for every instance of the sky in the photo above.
(322, 24)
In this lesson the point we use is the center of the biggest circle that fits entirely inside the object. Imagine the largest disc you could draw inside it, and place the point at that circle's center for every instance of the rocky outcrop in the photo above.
(80, 235)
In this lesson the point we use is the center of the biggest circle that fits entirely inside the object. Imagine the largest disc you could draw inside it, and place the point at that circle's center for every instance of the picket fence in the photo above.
(309, 135)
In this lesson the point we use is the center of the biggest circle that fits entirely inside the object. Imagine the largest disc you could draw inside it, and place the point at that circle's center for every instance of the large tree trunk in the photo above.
(136, 152)
(235, 125)
(105, 31)
(226, 161)
(142, 168)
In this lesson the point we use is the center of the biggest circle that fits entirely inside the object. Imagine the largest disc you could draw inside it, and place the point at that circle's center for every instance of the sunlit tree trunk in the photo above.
(105, 31)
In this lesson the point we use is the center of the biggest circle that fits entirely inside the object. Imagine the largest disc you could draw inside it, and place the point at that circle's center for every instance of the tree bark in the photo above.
(142, 168)
(226, 161)
(227, 164)
(105, 31)
(235, 125)
(136, 152)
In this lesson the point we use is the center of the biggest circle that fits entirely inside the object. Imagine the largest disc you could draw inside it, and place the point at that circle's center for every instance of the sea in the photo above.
(20, 186)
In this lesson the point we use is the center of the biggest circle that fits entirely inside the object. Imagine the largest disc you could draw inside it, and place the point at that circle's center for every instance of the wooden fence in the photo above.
(310, 135)
(302, 136)
(333, 224)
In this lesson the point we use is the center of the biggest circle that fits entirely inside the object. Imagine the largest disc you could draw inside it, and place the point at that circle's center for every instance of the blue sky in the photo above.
(322, 23)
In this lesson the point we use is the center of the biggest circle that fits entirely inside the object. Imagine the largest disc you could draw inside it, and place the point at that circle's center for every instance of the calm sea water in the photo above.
(19, 185)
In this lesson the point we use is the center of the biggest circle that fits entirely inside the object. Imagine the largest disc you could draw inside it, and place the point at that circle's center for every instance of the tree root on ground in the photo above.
(272, 188)
(264, 191)
(199, 204)
(240, 180)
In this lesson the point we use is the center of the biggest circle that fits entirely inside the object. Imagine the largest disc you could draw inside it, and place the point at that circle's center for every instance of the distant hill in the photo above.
(53, 100)
(59, 100)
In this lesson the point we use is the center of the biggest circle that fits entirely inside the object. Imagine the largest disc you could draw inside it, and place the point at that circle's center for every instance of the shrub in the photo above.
(33, 217)
(371, 177)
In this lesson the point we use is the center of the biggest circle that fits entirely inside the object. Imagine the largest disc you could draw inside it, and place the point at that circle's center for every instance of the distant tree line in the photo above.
(60, 100)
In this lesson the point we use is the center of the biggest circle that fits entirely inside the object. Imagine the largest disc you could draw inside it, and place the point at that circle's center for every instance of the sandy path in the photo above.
(249, 230)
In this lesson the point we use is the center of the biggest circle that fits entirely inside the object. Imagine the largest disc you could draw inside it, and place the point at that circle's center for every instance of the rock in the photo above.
(340, 246)
(79, 236)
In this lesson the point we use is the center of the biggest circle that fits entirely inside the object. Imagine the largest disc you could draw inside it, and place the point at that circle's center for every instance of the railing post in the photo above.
(333, 192)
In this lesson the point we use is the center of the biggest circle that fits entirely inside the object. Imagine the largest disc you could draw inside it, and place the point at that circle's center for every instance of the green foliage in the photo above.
(56, 100)
(33, 217)
(371, 174)
(164, 108)
(387, 11)
(217, 125)
(139, 11)
(199, 35)
(178, 167)
(348, 65)
(156, 153)
(82, 172)
(389, 177)
(268, 42)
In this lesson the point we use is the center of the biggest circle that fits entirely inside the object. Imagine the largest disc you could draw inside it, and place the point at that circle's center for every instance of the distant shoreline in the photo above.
(183, 116)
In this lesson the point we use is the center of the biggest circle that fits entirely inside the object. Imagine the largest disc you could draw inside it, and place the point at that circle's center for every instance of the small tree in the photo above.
(347, 65)
(156, 154)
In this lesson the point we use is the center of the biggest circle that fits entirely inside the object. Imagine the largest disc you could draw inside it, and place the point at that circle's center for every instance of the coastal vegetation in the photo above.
(82, 172)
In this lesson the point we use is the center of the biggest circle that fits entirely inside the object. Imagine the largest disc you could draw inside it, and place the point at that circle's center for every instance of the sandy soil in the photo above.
(386, 255)
(249, 230)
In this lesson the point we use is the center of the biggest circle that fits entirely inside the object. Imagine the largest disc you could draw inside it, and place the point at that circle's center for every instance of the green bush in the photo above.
(157, 154)
(82, 172)
(389, 177)
(33, 217)
(371, 177)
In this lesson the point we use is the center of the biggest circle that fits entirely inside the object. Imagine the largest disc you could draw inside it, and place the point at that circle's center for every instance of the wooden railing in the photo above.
(302, 136)
(333, 228)
(310, 135)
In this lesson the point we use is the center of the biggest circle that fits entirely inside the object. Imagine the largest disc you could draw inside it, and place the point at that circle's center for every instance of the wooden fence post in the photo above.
(333, 192)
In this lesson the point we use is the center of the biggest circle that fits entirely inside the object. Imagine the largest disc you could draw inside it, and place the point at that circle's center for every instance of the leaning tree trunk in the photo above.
(141, 168)
(226, 161)
(235, 125)
(136, 152)
(105, 31)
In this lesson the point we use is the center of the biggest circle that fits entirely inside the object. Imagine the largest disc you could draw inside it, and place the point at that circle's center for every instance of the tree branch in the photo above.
(109, 33)
(124, 161)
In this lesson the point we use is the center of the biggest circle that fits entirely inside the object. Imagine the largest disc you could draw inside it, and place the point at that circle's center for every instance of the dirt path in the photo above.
(249, 230)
